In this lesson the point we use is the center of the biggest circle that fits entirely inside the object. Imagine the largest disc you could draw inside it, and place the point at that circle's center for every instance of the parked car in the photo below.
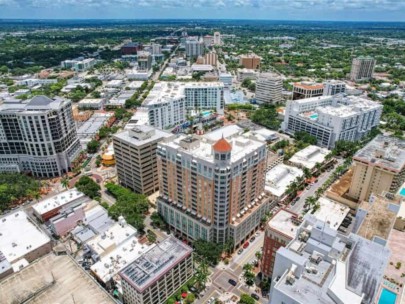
(240, 251)
(255, 296)
(232, 282)
(257, 233)
(246, 245)
(252, 239)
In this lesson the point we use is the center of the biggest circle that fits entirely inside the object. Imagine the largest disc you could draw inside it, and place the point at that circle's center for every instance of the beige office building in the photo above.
(211, 58)
(378, 167)
(306, 89)
(268, 88)
(135, 154)
(362, 68)
(250, 61)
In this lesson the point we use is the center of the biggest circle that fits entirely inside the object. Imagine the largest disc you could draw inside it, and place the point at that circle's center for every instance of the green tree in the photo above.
(246, 299)
(88, 186)
(190, 298)
(209, 251)
(92, 146)
(65, 182)
(201, 275)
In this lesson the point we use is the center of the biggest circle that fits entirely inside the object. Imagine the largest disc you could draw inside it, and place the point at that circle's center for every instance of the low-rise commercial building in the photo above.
(247, 74)
(21, 241)
(66, 220)
(279, 178)
(333, 87)
(48, 208)
(157, 273)
(91, 104)
(135, 155)
(309, 157)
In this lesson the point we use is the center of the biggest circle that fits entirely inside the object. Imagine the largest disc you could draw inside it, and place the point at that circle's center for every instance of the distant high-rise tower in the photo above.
(194, 47)
(362, 68)
(333, 87)
(217, 38)
(268, 88)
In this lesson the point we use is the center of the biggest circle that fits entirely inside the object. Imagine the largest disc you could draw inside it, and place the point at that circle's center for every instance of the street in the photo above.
(298, 207)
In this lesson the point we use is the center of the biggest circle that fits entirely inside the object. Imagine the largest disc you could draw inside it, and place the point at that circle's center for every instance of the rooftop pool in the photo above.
(402, 192)
(387, 297)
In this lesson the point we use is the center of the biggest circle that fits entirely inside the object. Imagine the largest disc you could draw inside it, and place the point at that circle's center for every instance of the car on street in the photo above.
(211, 300)
(252, 239)
(257, 233)
(232, 282)
(255, 296)
(246, 245)
(240, 251)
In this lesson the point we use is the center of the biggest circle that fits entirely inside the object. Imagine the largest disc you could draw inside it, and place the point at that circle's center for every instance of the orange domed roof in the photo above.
(222, 146)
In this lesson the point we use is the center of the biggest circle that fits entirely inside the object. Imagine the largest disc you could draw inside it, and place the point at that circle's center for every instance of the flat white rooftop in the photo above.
(112, 263)
(310, 156)
(282, 222)
(19, 236)
(111, 238)
(227, 132)
(128, 135)
(331, 212)
(58, 200)
(91, 101)
(280, 177)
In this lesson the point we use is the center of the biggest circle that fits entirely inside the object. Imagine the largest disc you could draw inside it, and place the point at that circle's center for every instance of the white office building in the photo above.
(333, 87)
(268, 88)
(321, 266)
(38, 136)
(194, 47)
(332, 118)
(217, 38)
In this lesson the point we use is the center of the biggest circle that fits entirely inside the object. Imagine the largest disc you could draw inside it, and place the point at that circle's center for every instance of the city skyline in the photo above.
(305, 10)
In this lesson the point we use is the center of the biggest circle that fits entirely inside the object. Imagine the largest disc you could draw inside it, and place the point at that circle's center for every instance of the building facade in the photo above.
(332, 118)
(158, 273)
(362, 68)
(144, 61)
(211, 58)
(38, 137)
(217, 38)
(303, 90)
(378, 167)
(333, 87)
(250, 61)
(268, 89)
(280, 230)
(194, 47)
(205, 96)
(212, 189)
(135, 155)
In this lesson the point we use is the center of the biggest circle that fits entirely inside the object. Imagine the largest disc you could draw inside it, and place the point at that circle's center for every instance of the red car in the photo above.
(246, 245)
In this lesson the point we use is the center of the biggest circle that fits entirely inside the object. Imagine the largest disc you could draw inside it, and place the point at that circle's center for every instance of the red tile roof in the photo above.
(222, 146)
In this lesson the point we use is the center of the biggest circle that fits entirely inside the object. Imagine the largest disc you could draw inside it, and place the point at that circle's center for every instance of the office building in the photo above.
(226, 79)
(79, 65)
(362, 68)
(131, 48)
(247, 74)
(156, 49)
(279, 231)
(38, 137)
(268, 89)
(66, 220)
(378, 167)
(144, 61)
(217, 38)
(208, 40)
(212, 188)
(306, 89)
(322, 266)
(135, 154)
(332, 118)
(21, 241)
(279, 178)
(333, 87)
(194, 47)
(157, 273)
(250, 61)
(211, 58)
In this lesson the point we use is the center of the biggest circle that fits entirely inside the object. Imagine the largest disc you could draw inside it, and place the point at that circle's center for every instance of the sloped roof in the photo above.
(222, 146)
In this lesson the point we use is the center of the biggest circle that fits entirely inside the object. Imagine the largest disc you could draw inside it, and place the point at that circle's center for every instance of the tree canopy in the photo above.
(88, 186)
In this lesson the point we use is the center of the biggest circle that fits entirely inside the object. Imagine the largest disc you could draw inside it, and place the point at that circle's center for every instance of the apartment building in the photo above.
(280, 230)
(307, 89)
(38, 137)
(322, 266)
(250, 61)
(217, 38)
(333, 87)
(194, 47)
(204, 96)
(156, 49)
(268, 88)
(378, 167)
(135, 155)
(362, 68)
(212, 187)
(332, 118)
(159, 272)
(208, 40)
(211, 58)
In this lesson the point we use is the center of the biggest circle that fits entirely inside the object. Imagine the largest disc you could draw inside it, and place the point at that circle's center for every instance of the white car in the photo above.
(211, 300)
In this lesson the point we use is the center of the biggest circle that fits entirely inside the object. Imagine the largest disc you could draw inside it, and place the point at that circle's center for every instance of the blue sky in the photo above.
(345, 10)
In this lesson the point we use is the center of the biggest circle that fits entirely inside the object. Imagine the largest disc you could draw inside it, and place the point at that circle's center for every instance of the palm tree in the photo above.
(228, 247)
(202, 275)
(65, 182)
(307, 173)
(258, 255)
(247, 267)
